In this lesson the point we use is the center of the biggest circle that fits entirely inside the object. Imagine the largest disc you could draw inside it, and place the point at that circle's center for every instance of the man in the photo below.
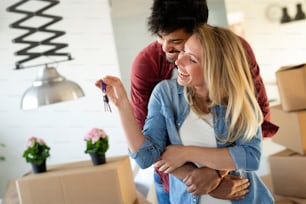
(173, 21)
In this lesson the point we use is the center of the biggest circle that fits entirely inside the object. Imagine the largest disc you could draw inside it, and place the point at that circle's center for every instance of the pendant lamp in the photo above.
(49, 87)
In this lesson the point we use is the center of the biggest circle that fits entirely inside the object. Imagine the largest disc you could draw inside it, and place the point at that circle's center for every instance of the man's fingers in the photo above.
(245, 184)
(240, 195)
(242, 189)
(231, 188)
(191, 189)
(242, 184)
(187, 180)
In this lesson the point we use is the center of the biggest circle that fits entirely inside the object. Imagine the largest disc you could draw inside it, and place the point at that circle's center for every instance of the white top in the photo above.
(199, 132)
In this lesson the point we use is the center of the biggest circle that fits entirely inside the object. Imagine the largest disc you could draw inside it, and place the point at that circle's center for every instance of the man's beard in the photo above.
(171, 58)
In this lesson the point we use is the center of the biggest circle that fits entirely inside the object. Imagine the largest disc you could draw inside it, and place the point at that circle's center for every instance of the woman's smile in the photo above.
(181, 74)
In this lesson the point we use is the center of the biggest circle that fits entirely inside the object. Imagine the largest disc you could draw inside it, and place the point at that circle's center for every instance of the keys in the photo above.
(107, 107)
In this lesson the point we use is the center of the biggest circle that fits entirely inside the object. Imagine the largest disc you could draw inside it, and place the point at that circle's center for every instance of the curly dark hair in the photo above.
(170, 15)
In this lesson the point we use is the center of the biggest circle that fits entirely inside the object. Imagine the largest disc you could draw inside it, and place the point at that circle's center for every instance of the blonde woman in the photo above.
(209, 114)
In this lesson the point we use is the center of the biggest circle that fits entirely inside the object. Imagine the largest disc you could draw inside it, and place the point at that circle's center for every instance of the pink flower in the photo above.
(96, 141)
(37, 151)
(32, 140)
(95, 134)
(40, 141)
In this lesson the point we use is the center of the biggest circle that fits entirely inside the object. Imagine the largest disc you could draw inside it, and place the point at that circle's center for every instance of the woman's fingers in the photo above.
(113, 88)
(163, 166)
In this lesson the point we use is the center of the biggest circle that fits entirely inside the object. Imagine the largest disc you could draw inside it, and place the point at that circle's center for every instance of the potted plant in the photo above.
(37, 153)
(96, 145)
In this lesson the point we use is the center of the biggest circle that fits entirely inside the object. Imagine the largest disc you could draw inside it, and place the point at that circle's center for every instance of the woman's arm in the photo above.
(117, 94)
(145, 147)
(177, 155)
(243, 155)
(217, 158)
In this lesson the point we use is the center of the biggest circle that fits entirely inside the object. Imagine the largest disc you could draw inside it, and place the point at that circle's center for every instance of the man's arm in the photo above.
(149, 67)
(141, 87)
(204, 180)
(198, 180)
(268, 128)
(231, 188)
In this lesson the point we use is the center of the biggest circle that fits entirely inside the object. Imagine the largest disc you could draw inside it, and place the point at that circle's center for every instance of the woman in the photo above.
(210, 113)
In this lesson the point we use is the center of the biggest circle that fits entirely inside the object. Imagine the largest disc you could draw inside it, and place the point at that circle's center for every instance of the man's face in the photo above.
(173, 43)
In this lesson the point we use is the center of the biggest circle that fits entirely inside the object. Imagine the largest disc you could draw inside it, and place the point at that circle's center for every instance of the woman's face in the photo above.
(189, 63)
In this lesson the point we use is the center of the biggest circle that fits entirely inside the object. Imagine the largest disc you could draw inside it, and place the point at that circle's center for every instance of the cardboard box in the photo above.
(288, 173)
(79, 183)
(11, 197)
(278, 198)
(292, 128)
(291, 82)
(141, 199)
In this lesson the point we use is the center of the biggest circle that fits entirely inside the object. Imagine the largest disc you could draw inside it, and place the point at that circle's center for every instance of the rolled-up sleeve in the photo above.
(247, 155)
(146, 155)
(155, 132)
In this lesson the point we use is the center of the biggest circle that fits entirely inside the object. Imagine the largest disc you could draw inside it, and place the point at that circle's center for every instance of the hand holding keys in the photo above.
(105, 98)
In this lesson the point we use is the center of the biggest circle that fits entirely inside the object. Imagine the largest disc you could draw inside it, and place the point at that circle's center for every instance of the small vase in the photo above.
(97, 159)
(39, 168)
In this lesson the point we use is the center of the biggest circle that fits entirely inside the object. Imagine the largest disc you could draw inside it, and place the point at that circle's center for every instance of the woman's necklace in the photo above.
(207, 118)
(203, 110)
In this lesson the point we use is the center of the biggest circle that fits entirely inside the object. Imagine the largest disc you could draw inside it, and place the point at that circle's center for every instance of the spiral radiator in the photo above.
(32, 30)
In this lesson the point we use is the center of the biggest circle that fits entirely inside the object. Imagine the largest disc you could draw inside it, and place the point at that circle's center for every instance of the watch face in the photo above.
(274, 12)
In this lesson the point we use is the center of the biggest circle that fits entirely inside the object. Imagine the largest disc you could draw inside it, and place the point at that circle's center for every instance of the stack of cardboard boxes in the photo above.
(288, 167)
(78, 183)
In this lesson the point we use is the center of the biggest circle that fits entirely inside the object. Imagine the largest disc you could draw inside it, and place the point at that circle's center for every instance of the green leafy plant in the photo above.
(96, 141)
(2, 158)
(37, 151)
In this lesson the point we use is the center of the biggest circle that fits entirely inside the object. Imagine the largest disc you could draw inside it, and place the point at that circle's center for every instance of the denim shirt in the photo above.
(167, 111)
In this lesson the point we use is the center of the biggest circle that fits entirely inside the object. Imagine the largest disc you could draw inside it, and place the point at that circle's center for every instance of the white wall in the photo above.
(89, 33)
(274, 44)
(130, 31)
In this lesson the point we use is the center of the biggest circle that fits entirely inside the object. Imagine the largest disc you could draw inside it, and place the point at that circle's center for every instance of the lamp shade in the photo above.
(50, 87)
